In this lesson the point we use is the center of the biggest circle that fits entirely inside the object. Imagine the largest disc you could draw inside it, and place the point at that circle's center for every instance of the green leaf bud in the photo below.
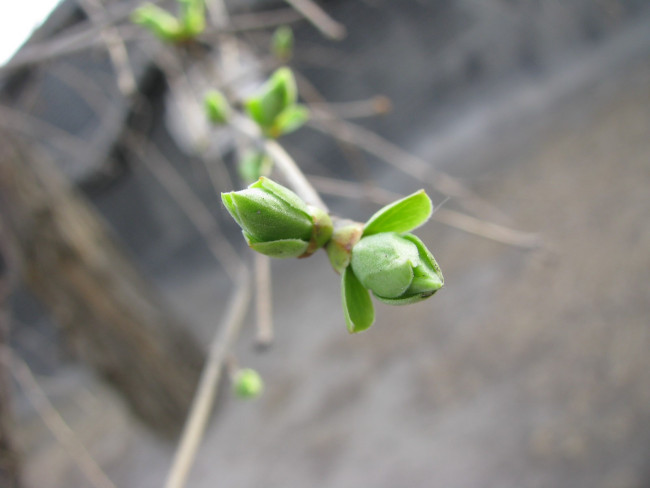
(339, 248)
(276, 222)
(247, 384)
(160, 22)
(291, 119)
(398, 269)
(192, 17)
(282, 43)
(277, 94)
(216, 107)
(253, 165)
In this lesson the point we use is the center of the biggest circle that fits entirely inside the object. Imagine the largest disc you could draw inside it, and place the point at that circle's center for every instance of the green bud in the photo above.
(398, 269)
(253, 165)
(282, 43)
(276, 222)
(192, 17)
(339, 248)
(216, 107)
(278, 95)
(160, 22)
(247, 384)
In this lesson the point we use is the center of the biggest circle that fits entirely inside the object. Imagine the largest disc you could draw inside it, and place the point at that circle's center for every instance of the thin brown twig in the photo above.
(206, 391)
(317, 16)
(86, 37)
(283, 162)
(452, 218)
(356, 109)
(405, 162)
(54, 422)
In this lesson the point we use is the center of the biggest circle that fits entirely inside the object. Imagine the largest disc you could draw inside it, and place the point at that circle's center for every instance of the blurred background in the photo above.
(529, 369)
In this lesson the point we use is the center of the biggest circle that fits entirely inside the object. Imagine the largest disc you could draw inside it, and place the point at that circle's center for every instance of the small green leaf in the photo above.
(357, 306)
(291, 119)
(401, 216)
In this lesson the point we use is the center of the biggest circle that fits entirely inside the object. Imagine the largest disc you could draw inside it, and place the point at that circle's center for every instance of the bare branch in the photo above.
(458, 220)
(403, 161)
(115, 47)
(208, 384)
(284, 162)
(323, 22)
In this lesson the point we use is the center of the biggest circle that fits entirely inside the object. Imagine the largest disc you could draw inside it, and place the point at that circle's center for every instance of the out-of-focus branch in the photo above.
(404, 161)
(115, 47)
(452, 218)
(283, 161)
(372, 107)
(317, 16)
(88, 37)
(207, 389)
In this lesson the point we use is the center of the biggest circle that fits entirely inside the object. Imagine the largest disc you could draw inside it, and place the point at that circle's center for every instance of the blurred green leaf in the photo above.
(217, 108)
(290, 120)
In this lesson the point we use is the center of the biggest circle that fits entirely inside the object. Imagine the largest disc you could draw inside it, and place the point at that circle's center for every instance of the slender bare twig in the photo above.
(283, 162)
(115, 47)
(372, 107)
(263, 300)
(452, 218)
(323, 22)
(54, 422)
(86, 37)
(206, 391)
(192, 206)
(405, 162)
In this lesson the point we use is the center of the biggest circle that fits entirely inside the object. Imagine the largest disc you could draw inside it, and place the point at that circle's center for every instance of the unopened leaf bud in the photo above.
(276, 222)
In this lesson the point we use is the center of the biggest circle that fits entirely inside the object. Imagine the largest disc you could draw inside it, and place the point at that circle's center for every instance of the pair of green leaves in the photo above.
(274, 107)
(189, 24)
(395, 265)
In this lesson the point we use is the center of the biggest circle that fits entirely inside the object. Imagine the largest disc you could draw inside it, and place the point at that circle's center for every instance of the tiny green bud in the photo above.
(398, 269)
(160, 22)
(247, 384)
(192, 17)
(278, 94)
(217, 107)
(339, 249)
(276, 222)
(282, 43)
(253, 165)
